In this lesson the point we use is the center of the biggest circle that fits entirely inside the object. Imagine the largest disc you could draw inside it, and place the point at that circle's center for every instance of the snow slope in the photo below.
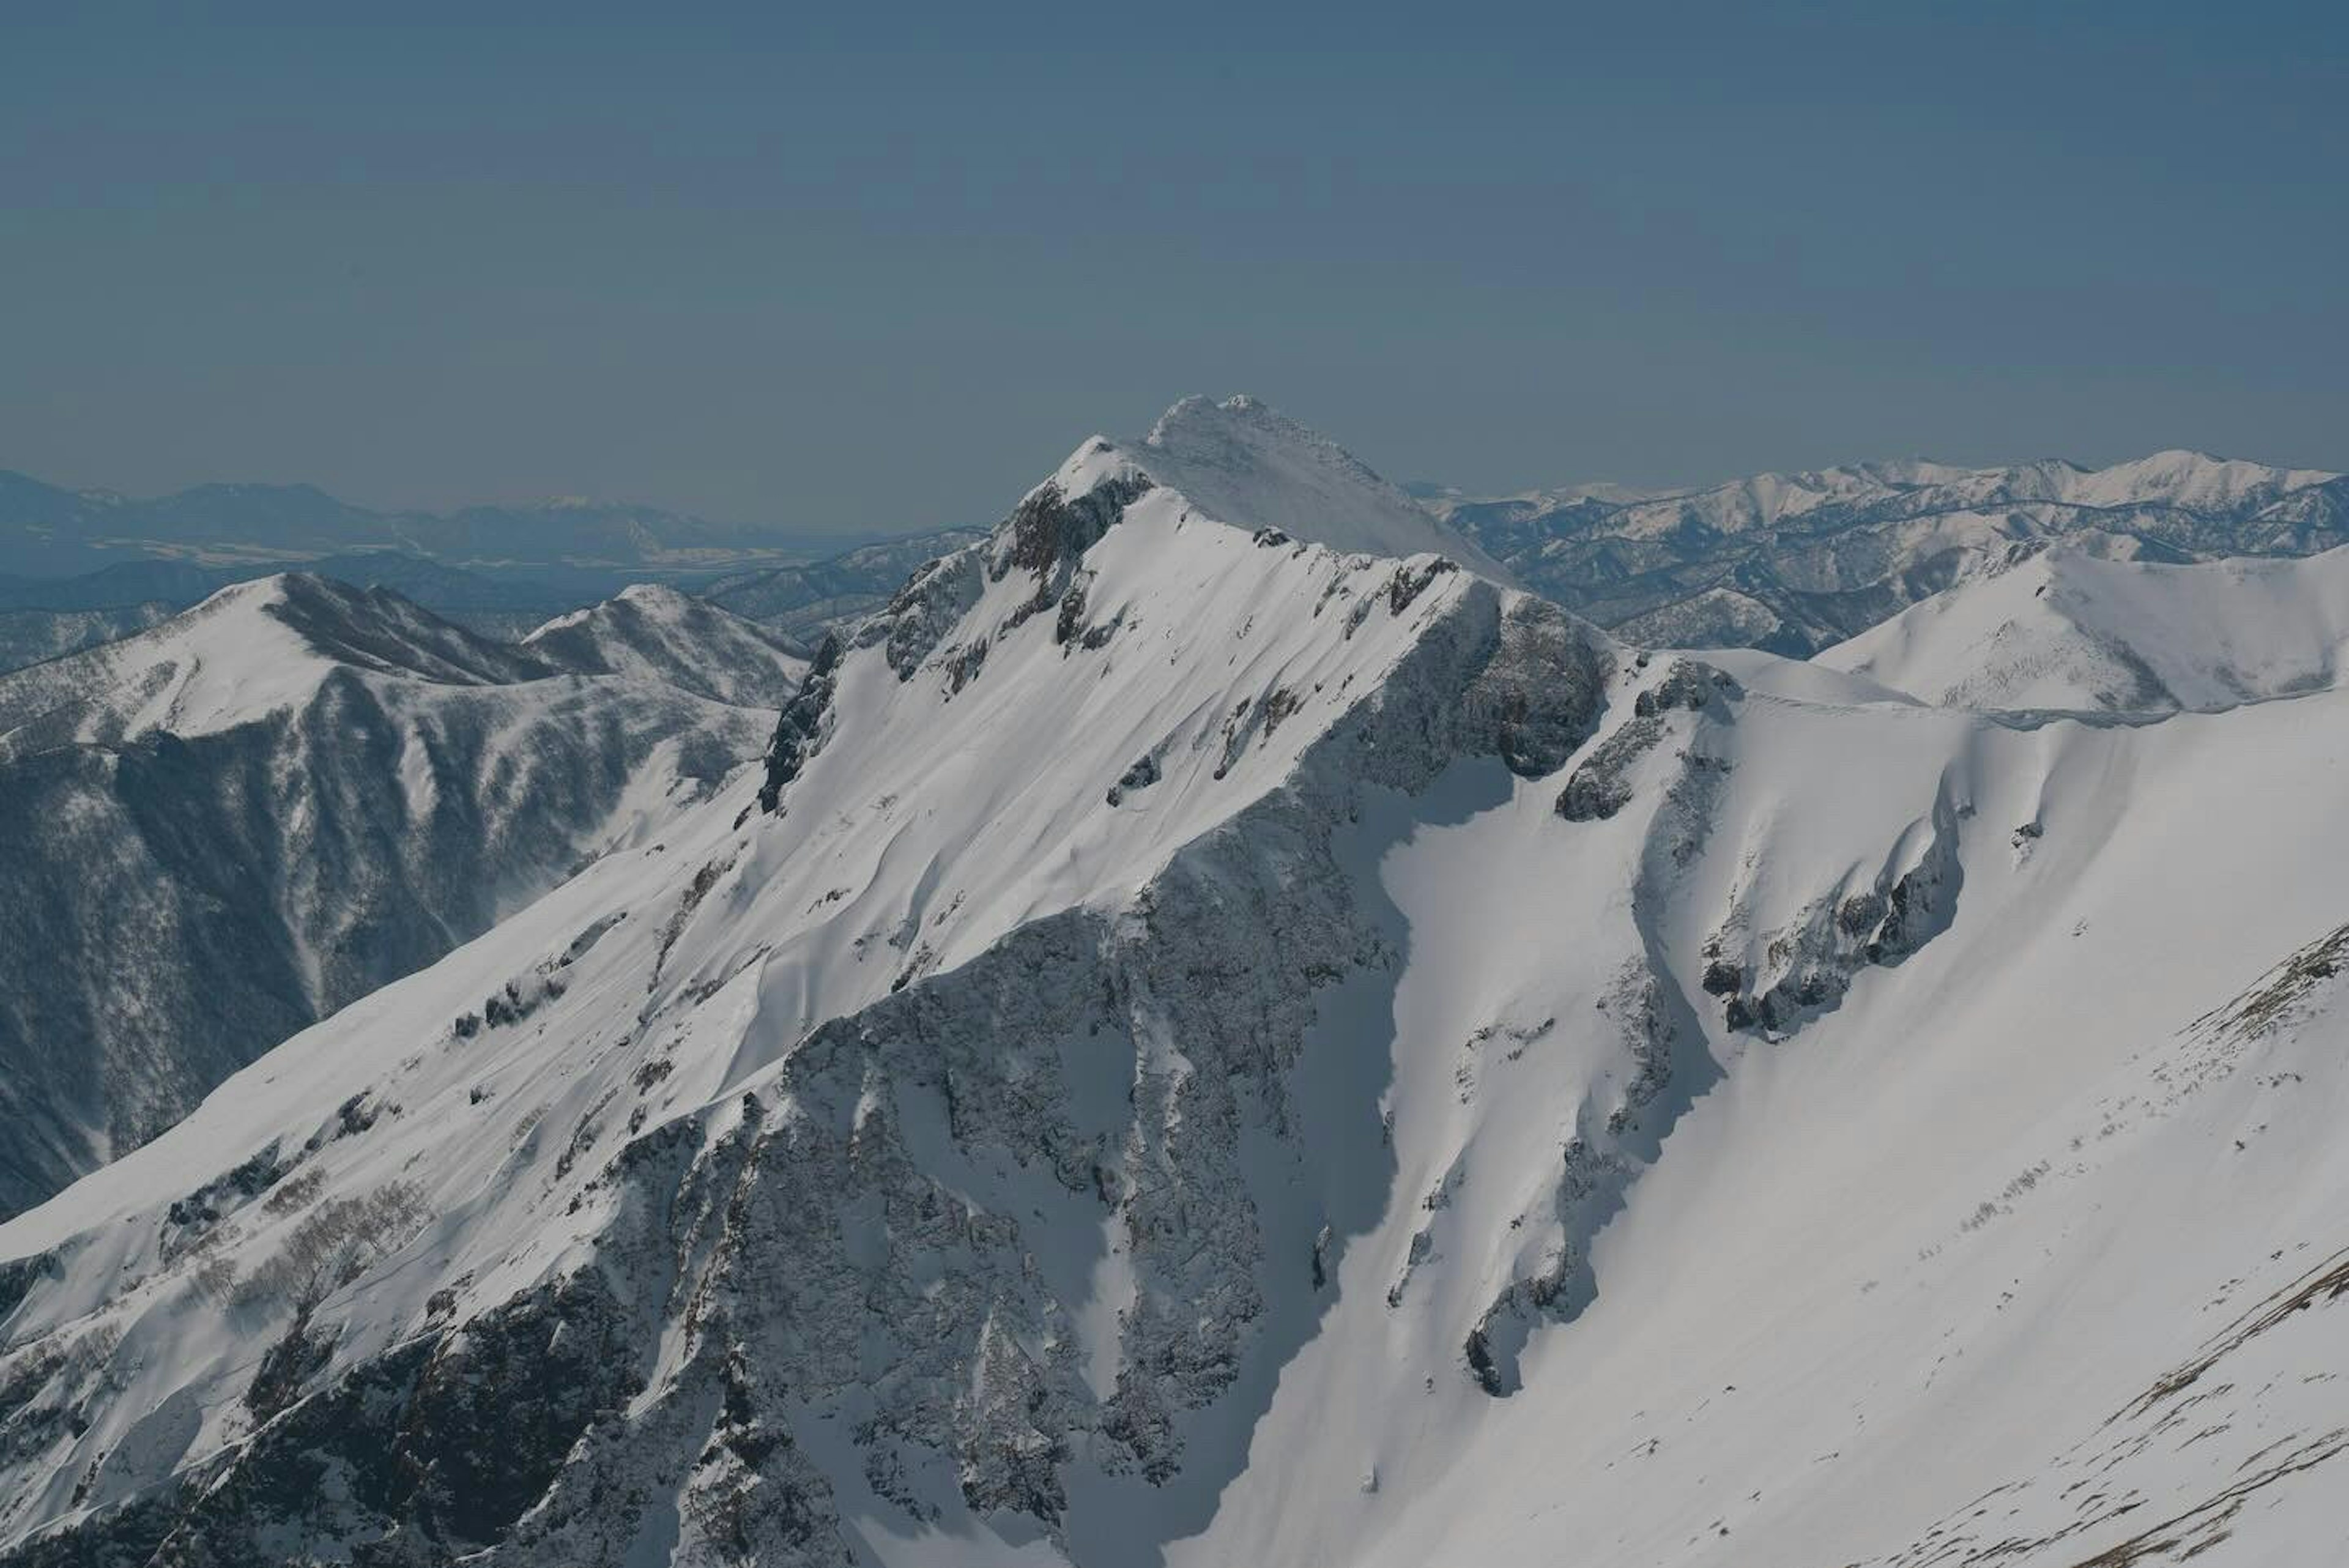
(2062, 629)
(220, 829)
(1207, 1048)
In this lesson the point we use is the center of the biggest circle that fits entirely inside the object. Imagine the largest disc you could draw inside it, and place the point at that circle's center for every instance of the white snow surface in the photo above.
(1890, 1134)
(2062, 629)
(1243, 462)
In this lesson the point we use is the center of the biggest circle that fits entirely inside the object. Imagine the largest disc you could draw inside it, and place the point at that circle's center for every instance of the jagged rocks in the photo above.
(1601, 786)
(801, 728)
(1806, 968)
(1541, 692)
(1048, 533)
(1687, 684)
(1409, 582)
(925, 611)
(1140, 776)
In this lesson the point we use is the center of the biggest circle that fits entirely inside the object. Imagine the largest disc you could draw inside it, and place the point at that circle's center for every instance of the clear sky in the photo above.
(881, 271)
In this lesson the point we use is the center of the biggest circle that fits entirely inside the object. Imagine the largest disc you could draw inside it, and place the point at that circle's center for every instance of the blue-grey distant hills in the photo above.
(47, 530)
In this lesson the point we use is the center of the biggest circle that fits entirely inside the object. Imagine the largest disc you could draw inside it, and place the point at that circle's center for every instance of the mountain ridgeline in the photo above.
(1792, 563)
(226, 826)
(1222, 1031)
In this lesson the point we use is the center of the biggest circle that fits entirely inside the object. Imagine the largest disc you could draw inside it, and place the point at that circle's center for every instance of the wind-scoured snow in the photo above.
(1204, 1046)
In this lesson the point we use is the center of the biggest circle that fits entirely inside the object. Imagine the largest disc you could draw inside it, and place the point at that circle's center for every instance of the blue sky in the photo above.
(881, 272)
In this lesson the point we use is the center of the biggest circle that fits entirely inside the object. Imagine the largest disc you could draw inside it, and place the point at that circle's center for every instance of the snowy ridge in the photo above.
(1218, 1048)
(2061, 629)
(1247, 464)
(2188, 481)
(248, 650)
(657, 633)
(217, 830)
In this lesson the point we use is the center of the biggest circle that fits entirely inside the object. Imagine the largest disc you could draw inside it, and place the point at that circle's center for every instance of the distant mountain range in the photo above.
(47, 530)
(1792, 563)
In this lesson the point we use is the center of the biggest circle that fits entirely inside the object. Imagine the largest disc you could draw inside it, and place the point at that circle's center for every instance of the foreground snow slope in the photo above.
(1207, 1048)
(2064, 628)
(217, 830)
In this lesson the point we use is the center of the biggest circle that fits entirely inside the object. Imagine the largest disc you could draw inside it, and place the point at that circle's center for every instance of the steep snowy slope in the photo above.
(659, 634)
(222, 828)
(2062, 629)
(1203, 1048)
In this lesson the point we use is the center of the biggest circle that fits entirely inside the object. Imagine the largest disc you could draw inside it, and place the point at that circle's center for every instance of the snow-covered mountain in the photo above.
(224, 827)
(2064, 628)
(1206, 1046)
(1796, 562)
(658, 634)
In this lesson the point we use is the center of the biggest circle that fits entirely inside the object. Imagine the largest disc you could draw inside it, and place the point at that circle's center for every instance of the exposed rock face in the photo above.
(1805, 968)
(1602, 784)
(801, 727)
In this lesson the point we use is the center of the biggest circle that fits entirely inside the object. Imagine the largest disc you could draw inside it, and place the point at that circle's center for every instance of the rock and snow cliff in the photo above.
(1206, 1046)
(221, 829)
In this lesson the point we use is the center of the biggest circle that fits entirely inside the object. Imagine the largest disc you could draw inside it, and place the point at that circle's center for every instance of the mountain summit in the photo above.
(1242, 463)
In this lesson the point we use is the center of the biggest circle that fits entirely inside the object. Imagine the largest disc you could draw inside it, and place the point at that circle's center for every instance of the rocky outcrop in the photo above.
(804, 722)
(1602, 784)
(1805, 968)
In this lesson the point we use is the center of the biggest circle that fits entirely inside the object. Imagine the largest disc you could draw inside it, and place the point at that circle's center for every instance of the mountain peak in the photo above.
(1243, 463)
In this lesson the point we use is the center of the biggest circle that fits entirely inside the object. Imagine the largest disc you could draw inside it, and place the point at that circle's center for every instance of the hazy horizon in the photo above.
(859, 277)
